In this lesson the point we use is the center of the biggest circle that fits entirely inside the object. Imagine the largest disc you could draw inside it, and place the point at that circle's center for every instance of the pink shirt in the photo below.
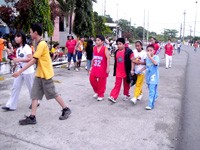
(120, 71)
(71, 45)
(169, 49)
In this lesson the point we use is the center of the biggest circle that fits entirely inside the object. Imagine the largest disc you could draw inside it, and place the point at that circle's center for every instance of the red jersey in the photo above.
(71, 45)
(169, 49)
(195, 44)
(99, 62)
(156, 47)
(120, 70)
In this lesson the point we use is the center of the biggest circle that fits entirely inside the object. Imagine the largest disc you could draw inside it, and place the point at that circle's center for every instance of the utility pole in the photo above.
(184, 26)
(104, 8)
(144, 28)
(180, 31)
(195, 21)
(148, 28)
(190, 33)
(117, 23)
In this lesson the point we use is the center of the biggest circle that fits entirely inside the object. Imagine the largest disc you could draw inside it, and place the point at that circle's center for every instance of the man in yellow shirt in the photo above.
(43, 83)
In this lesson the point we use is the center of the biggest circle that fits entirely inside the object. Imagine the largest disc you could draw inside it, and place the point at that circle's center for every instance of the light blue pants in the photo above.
(153, 94)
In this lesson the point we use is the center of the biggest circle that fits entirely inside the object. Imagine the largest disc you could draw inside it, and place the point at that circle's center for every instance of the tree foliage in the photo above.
(99, 25)
(29, 11)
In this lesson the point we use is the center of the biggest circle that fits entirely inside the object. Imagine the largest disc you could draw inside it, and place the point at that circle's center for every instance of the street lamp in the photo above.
(195, 21)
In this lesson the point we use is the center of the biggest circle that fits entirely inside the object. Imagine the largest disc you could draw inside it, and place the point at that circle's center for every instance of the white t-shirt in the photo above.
(107, 45)
(141, 56)
(22, 53)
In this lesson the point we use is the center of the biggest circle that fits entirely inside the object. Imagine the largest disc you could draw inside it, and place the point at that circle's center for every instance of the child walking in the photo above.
(43, 83)
(140, 62)
(123, 66)
(169, 50)
(89, 54)
(24, 55)
(100, 68)
(79, 50)
(152, 75)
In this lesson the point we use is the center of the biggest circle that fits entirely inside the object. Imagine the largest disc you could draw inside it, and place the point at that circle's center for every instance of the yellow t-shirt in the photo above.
(44, 66)
(53, 50)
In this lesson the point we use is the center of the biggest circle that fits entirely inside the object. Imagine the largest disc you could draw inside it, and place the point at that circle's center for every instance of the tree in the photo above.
(84, 20)
(40, 12)
(170, 34)
(99, 25)
(109, 19)
(69, 6)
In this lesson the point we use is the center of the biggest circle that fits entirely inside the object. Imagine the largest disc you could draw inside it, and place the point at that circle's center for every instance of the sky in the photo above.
(163, 14)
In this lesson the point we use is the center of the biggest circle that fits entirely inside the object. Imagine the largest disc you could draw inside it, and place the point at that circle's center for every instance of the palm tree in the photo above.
(69, 6)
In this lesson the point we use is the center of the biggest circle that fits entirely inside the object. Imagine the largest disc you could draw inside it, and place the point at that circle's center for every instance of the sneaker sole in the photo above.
(27, 123)
(111, 100)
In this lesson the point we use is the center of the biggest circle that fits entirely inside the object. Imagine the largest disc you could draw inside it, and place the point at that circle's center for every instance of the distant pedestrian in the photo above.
(140, 62)
(196, 46)
(70, 47)
(2, 42)
(152, 75)
(179, 47)
(79, 50)
(92, 38)
(89, 54)
(169, 50)
(123, 67)
(43, 82)
(100, 68)
(126, 42)
(154, 42)
(107, 43)
(24, 55)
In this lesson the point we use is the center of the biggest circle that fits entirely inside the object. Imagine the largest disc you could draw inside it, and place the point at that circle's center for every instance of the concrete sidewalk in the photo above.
(96, 125)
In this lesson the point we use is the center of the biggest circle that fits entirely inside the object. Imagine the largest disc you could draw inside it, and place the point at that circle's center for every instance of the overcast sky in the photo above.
(163, 14)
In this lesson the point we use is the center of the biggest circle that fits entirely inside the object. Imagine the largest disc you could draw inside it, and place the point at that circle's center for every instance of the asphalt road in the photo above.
(103, 125)
(189, 131)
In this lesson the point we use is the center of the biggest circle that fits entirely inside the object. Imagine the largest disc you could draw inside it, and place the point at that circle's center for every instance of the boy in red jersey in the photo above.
(100, 68)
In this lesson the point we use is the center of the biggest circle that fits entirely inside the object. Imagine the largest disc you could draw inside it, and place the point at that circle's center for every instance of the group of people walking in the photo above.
(127, 64)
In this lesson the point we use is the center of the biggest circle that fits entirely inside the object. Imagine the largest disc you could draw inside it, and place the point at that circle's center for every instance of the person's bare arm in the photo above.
(108, 61)
(30, 56)
(144, 68)
(30, 63)
(132, 66)
(75, 49)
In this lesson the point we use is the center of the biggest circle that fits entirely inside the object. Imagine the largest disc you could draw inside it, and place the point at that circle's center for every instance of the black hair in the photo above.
(30, 43)
(169, 39)
(23, 36)
(101, 37)
(70, 36)
(156, 41)
(151, 46)
(140, 42)
(91, 36)
(122, 40)
(37, 27)
(55, 45)
(89, 44)
(81, 37)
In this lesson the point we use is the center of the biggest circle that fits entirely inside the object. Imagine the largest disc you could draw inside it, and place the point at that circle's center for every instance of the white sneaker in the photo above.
(111, 99)
(77, 69)
(95, 95)
(126, 98)
(100, 98)
(139, 97)
(134, 100)
(148, 108)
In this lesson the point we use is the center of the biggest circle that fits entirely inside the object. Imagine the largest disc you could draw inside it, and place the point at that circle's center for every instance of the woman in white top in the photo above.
(24, 55)
(140, 62)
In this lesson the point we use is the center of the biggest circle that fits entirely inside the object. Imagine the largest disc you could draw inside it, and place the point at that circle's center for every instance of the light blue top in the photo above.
(152, 71)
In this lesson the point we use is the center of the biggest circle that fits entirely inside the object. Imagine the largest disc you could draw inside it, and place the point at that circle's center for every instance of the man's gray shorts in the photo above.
(42, 87)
